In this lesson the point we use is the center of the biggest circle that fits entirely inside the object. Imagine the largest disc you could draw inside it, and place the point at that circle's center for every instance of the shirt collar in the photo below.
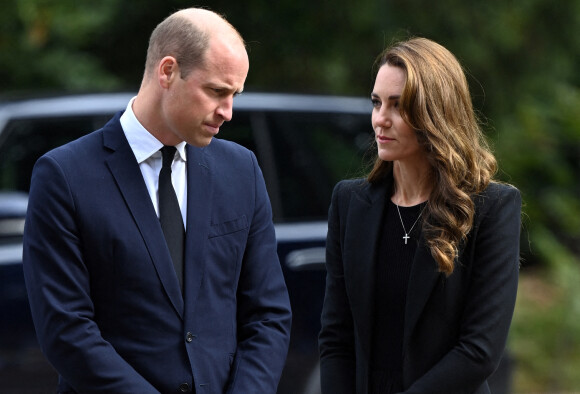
(142, 142)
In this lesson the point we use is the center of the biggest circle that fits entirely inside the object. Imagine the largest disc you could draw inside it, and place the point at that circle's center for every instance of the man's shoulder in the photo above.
(220, 148)
(86, 146)
(219, 144)
(73, 148)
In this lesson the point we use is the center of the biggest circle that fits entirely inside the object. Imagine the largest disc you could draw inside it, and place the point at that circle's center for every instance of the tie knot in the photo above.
(167, 153)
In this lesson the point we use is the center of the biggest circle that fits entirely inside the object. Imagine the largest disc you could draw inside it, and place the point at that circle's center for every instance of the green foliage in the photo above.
(43, 45)
(544, 336)
(539, 147)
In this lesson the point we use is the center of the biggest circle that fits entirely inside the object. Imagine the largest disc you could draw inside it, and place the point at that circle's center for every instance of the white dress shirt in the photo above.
(146, 150)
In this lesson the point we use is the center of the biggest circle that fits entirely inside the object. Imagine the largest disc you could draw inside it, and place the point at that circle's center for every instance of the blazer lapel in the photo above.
(199, 204)
(422, 281)
(129, 179)
(364, 224)
(364, 219)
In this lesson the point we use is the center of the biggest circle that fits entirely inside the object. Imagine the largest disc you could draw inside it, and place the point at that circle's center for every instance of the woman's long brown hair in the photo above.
(436, 103)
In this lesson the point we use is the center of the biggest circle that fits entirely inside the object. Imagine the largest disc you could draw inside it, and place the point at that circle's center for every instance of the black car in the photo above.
(304, 144)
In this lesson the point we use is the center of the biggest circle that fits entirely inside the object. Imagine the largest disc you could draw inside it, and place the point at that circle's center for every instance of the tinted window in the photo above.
(23, 141)
(303, 155)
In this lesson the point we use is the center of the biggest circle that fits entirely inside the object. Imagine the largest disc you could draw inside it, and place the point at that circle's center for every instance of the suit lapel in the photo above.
(422, 281)
(199, 203)
(364, 224)
(124, 169)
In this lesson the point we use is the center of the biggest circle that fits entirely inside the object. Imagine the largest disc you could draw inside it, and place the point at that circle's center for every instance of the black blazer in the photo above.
(455, 327)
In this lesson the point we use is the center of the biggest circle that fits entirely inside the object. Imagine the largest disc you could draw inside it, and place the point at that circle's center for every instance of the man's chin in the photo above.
(199, 142)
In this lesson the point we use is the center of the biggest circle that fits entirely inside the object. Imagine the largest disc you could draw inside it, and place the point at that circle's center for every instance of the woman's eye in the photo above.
(376, 103)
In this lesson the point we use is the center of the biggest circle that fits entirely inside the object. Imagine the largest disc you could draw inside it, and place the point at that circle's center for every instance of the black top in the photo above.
(394, 261)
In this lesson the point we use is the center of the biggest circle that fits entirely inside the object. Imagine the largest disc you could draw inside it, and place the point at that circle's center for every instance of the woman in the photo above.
(423, 254)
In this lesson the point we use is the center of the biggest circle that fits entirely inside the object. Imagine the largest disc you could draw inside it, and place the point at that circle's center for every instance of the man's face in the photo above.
(194, 108)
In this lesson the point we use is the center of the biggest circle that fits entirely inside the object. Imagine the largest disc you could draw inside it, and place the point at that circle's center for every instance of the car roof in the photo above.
(107, 103)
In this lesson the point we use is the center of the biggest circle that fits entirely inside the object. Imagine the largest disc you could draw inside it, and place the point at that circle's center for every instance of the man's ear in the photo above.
(167, 71)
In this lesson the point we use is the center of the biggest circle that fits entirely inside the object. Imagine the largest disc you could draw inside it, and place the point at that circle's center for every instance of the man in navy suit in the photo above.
(111, 312)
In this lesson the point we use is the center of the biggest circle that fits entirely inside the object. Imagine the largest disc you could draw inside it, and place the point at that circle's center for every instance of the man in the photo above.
(112, 312)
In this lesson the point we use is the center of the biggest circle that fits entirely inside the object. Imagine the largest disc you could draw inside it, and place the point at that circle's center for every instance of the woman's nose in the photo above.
(384, 120)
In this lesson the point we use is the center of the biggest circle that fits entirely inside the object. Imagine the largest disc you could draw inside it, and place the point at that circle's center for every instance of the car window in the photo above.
(303, 155)
(23, 141)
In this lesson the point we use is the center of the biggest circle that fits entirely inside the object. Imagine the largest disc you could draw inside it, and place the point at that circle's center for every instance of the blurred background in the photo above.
(522, 58)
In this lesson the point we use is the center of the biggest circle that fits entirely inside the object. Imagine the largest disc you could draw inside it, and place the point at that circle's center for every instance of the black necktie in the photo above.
(170, 213)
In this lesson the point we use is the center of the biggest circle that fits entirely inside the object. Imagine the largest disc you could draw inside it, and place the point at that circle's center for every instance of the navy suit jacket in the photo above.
(105, 298)
(455, 327)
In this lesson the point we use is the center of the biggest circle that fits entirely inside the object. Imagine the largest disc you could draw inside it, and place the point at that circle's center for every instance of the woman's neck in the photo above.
(413, 183)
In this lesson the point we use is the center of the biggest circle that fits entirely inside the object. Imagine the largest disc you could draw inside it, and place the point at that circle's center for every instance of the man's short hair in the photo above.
(178, 37)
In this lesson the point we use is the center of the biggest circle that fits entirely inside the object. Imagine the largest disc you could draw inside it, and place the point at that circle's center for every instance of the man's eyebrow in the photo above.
(224, 88)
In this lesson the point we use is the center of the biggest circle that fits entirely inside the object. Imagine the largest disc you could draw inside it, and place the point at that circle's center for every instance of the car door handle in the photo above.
(306, 259)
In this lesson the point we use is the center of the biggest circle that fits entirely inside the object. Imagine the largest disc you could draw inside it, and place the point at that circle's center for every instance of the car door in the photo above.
(303, 154)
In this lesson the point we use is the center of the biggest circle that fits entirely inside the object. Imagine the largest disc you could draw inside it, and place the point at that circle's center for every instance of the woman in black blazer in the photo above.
(423, 254)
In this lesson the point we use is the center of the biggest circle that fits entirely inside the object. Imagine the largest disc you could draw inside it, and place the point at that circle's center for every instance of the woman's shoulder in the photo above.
(498, 194)
(499, 189)
(347, 185)
(344, 189)
(357, 186)
(359, 189)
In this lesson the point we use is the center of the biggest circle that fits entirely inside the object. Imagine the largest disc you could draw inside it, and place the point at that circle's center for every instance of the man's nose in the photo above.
(225, 109)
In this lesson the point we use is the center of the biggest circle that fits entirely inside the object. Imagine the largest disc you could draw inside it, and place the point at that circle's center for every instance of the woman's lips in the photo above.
(383, 140)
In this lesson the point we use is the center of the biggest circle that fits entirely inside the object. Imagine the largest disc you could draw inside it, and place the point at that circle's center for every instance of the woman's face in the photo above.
(396, 140)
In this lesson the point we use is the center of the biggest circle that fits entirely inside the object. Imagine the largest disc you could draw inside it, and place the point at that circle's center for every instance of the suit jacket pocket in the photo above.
(228, 227)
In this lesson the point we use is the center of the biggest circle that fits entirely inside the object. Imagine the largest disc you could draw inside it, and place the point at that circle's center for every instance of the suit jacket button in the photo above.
(184, 388)
(189, 337)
